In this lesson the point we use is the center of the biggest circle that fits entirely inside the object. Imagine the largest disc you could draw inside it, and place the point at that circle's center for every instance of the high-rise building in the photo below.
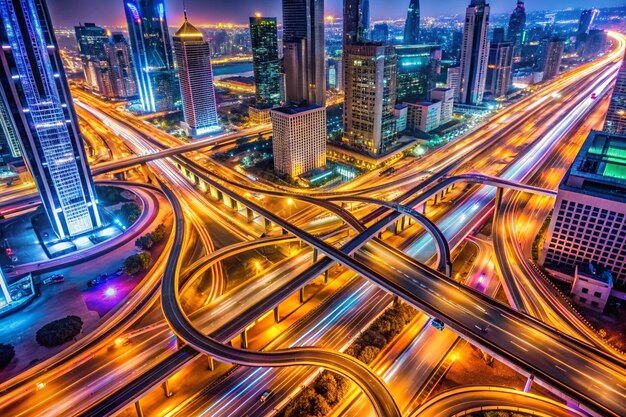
(355, 13)
(595, 44)
(589, 220)
(418, 69)
(334, 74)
(266, 63)
(586, 20)
(366, 18)
(35, 91)
(552, 59)
(498, 35)
(499, 69)
(299, 139)
(517, 25)
(304, 51)
(152, 54)
(453, 81)
(616, 116)
(193, 55)
(10, 148)
(380, 33)
(370, 91)
(412, 23)
(474, 53)
(446, 97)
(92, 41)
(121, 67)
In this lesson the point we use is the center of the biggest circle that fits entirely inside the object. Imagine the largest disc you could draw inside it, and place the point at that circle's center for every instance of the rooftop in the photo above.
(291, 110)
(187, 30)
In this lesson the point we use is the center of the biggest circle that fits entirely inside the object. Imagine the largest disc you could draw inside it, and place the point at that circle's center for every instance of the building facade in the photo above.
(446, 97)
(152, 55)
(412, 23)
(616, 115)
(499, 69)
(425, 116)
(370, 91)
(418, 69)
(589, 219)
(121, 68)
(266, 62)
(517, 25)
(552, 59)
(299, 139)
(193, 55)
(304, 51)
(355, 15)
(92, 41)
(36, 93)
(592, 286)
(453, 81)
(474, 53)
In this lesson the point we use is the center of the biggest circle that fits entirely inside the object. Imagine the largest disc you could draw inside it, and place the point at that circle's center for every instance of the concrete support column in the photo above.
(211, 363)
(244, 339)
(380, 234)
(448, 270)
(166, 389)
(529, 382)
(436, 200)
(404, 222)
(302, 294)
(220, 196)
(396, 300)
(423, 208)
(397, 227)
(249, 215)
(326, 277)
(277, 314)
(315, 254)
(268, 224)
(498, 206)
(285, 232)
(138, 409)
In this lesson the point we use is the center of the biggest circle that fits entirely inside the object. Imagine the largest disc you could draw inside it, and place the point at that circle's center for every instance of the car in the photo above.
(53, 279)
(265, 395)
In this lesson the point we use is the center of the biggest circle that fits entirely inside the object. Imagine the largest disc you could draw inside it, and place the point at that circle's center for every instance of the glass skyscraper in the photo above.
(517, 24)
(474, 54)
(355, 18)
(412, 24)
(152, 54)
(37, 96)
(92, 41)
(266, 62)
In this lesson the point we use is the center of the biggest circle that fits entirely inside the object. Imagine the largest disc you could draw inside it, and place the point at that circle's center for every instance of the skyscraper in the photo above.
(92, 42)
(552, 59)
(418, 68)
(586, 20)
(380, 33)
(121, 67)
(355, 14)
(412, 24)
(370, 91)
(35, 92)
(500, 69)
(366, 18)
(152, 54)
(193, 56)
(474, 53)
(616, 116)
(517, 24)
(266, 63)
(304, 51)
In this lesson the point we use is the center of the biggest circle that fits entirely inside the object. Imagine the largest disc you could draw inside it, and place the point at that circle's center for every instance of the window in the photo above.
(595, 304)
(597, 294)
(582, 300)
(585, 290)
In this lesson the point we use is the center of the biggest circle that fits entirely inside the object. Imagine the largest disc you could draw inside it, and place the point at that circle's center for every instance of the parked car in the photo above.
(53, 279)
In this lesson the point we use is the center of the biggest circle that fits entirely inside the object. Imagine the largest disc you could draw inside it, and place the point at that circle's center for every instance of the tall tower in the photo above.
(500, 68)
(37, 96)
(121, 67)
(474, 53)
(616, 116)
(193, 56)
(517, 24)
(152, 54)
(266, 63)
(552, 59)
(355, 13)
(304, 51)
(92, 41)
(412, 24)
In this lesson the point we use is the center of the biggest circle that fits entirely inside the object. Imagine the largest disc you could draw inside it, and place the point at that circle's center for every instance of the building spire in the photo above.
(185, 10)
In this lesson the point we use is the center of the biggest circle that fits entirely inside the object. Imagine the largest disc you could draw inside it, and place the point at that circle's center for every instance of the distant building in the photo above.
(499, 69)
(401, 114)
(259, 115)
(616, 115)
(355, 21)
(334, 74)
(92, 41)
(584, 24)
(446, 97)
(152, 55)
(266, 62)
(37, 97)
(474, 53)
(10, 148)
(299, 139)
(193, 55)
(412, 23)
(370, 92)
(589, 219)
(517, 25)
(453, 80)
(425, 116)
(552, 59)
(595, 44)
(592, 286)
(418, 68)
(380, 33)
(121, 69)
(498, 35)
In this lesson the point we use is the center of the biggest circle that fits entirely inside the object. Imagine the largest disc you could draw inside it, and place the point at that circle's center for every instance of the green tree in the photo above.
(7, 353)
(129, 212)
(308, 404)
(158, 234)
(146, 260)
(59, 331)
(132, 264)
(144, 242)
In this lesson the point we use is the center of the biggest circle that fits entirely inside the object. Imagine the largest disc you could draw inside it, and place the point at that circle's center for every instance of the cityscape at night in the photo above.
(312, 208)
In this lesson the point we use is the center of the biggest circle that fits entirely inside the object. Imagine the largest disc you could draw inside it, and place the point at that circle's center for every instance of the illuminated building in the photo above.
(92, 41)
(446, 97)
(355, 21)
(193, 55)
(517, 24)
(380, 33)
(418, 67)
(425, 115)
(552, 58)
(474, 53)
(412, 23)
(36, 93)
(499, 69)
(266, 62)
(121, 69)
(616, 115)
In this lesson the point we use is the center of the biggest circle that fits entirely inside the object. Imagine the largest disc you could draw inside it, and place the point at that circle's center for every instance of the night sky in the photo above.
(110, 12)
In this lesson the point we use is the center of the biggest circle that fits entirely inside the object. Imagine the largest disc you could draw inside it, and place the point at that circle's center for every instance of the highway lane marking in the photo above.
(521, 347)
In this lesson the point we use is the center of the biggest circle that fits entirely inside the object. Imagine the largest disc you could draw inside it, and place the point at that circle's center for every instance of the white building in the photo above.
(591, 286)
(453, 81)
(425, 116)
(474, 53)
(446, 97)
(299, 139)
(401, 113)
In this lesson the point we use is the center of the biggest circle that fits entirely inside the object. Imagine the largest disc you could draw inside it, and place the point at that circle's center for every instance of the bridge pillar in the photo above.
(529, 382)
(285, 232)
(326, 277)
(448, 270)
(249, 215)
(244, 339)
(268, 224)
(138, 409)
(436, 199)
(302, 295)
(380, 234)
(396, 300)
(166, 389)
(404, 222)
(315, 254)
(499, 193)
(233, 204)
(422, 208)
(397, 227)
(211, 363)
(220, 196)
(277, 314)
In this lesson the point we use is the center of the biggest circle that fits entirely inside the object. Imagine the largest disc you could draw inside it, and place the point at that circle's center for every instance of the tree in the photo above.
(146, 260)
(326, 386)
(7, 353)
(308, 404)
(368, 354)
(130, 212)
(59, 331)
(138, 262)
(158, 234)
(144, 242)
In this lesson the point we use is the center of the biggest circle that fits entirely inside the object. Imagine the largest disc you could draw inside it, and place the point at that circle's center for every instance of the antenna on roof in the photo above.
(185, 10)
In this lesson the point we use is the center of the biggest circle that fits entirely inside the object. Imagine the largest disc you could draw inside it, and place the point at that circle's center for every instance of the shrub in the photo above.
(59, 331)
(368, 354)
(145, 242)
(130, 212)
(158, 234)
(109, 195)
(326, 386)
(308, 403)
(138, 262)
(7, 353)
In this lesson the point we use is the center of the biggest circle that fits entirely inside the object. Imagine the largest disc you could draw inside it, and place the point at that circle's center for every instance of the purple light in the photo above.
(110, 292)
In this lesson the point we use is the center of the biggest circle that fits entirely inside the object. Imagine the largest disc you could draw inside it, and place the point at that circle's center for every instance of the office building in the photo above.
(412, 23)
(152, 55)
(266, 62)
(499, 69)
(92, 41)
(121, 70)
(425, 115)
(584, 24)
(10, 148)
(552, 59)
(418, 69)
(446, 97)
(615, 121)
(401, 114)
(304, 51)
(592, 286)
(299, 139)
(474, 53)
(589, 219)
(453, 80)
(517, 25)
(498, 35)
(193, 55)
(370, 91)
(37, 96)
(355, 15)
(596, 43)
(334, 74)
(380, 33)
